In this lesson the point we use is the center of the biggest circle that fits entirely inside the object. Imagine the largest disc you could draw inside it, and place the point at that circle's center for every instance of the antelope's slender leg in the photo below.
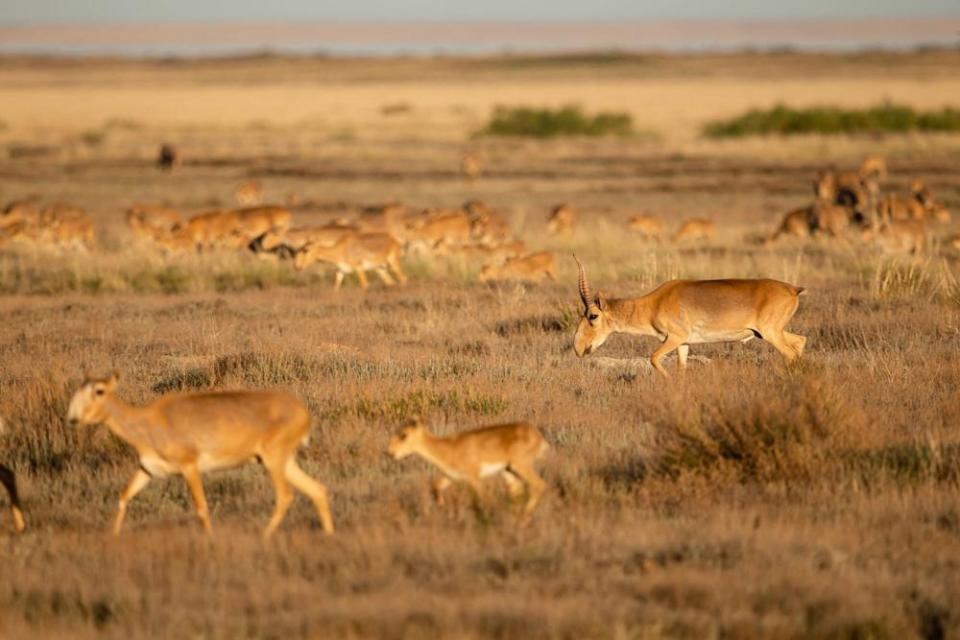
(682, 352)
(9, 481)
(192, 476)
(535, 485)
(387, 279)
(514, 484)
(394, 266)
(362, 277)
(316, 492)
(338, 281)
(140, 480)
(439, 485)
(671, 343)
(283, 497)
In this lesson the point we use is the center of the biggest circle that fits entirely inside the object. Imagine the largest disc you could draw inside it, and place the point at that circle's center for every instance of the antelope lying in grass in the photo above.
(9, 482)
(357, 253)
(695, 229)
(920, 205)
(192, 433)
(494, 254)
(507, 450)
(532, 268)
(685, 312)
(650, 227)
(563, 218)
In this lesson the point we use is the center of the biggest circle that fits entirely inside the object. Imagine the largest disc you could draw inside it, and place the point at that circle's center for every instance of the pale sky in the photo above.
(14, 12)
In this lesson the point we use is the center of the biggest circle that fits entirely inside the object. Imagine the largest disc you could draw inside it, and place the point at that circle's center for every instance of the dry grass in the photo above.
(740, 500)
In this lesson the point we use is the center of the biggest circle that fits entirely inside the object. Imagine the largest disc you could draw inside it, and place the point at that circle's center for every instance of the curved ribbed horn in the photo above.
(584, 287)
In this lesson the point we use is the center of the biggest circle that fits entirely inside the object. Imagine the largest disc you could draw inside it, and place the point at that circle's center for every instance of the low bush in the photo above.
(549, 123)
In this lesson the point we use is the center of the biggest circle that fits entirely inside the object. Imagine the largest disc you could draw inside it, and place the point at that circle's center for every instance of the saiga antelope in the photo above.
(507, 450)
(533, 267)
(192, 433)
(685, 312)
(650, 227)
(357, 253)
(695, 229)
(563, 218)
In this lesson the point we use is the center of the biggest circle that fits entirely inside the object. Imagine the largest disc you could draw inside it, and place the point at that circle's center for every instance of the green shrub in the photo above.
(548, 123)
(884, 117)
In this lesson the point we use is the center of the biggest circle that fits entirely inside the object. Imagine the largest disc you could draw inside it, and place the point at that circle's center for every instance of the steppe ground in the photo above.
(740, 500)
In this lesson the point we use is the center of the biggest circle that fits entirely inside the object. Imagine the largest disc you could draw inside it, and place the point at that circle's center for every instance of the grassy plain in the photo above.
(740, 500)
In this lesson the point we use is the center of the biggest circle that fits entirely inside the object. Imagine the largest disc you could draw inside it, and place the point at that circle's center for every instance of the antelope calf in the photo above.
(191, 433)
(507, 450)
(649, 227)
(532, 268)
(249, 193)
(685, 312)
(695, 229)
(357, 253)
(563, 218)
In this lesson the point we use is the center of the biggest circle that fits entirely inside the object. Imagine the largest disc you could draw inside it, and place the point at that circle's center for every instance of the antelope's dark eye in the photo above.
(592, 317)
(99, 391)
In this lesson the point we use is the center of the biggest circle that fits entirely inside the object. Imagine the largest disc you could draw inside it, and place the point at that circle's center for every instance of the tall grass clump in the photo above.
(784, 120)
(569, 120)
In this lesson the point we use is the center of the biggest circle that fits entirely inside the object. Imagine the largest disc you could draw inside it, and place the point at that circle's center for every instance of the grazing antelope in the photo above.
(563, 218)
(249, 193)
(798, 223)
(441, 231)
(255, 221)
(357, 253)
(169, 157)
(487, 226)
(507, 450)
(649, 227)
(470, 166)
(55, 224)
(898, 236)
(685, 312)
(192, 433)
(145, 220)
(209, 230)
(695, 229)
(532, 268)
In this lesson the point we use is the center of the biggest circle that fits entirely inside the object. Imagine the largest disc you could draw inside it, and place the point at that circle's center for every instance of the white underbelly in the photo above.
(491, 468)
(157, 466)
(701, 337)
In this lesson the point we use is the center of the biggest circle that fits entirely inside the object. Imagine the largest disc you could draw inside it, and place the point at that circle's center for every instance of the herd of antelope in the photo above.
(189, 434)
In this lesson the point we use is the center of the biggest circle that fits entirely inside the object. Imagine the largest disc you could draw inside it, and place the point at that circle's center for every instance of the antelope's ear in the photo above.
(601, 301)
(113, 380)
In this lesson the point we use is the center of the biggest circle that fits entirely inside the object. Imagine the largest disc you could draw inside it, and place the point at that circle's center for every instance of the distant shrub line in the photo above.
(550, 123)
(884, 117)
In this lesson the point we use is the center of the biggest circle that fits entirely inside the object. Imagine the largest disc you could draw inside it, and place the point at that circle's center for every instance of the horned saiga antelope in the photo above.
(685, 312)
(507, 450)
(191, 433)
